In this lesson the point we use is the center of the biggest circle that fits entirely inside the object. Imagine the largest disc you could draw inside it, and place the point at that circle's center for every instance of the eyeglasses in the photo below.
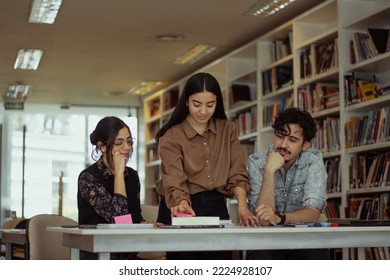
(120, 143)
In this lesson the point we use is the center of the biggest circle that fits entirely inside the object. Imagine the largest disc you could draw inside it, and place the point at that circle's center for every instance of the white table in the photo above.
(106, 241)
(9, 237)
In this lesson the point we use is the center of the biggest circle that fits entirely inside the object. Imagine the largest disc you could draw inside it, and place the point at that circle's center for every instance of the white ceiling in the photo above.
(97, 47)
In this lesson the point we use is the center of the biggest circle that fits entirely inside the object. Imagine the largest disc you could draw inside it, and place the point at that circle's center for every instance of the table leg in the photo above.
(104, 256)
(8, 251)
(361, 254)
(74, 254)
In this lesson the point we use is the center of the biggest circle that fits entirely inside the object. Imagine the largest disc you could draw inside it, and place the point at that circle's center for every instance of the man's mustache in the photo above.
(283, 150)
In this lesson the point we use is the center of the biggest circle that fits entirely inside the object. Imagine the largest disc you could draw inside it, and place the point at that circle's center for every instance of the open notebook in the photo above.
(124, 226)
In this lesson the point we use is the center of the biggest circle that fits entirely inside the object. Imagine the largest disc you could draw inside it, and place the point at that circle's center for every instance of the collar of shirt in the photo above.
(191, 132)
(105, 170)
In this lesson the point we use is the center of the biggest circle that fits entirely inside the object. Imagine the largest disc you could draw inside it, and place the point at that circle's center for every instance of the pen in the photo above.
(272, 223)
(253, 208)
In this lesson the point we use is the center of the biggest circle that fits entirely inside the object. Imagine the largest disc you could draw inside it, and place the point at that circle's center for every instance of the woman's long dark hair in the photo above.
(199, 82)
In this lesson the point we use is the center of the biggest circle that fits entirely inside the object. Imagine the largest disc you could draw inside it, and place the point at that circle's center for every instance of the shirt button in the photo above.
(205, 143)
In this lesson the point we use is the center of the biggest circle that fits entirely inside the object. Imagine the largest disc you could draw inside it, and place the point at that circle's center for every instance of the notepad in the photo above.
(124, 226)
(197, 220)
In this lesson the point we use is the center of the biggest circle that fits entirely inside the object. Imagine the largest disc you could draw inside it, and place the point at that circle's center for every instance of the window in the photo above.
(47, 153)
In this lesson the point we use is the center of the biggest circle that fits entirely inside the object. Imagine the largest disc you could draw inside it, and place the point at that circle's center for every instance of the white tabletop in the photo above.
(230, 238)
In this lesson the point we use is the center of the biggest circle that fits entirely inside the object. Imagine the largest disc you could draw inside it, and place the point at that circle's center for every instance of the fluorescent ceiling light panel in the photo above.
(195, 54)
(268, 7)
(144, 87)
(16, 92)
(28, 59)
(44, 11)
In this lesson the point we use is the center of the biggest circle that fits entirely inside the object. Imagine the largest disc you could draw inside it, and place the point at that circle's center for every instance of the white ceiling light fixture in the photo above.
(17, 92)
(28, 59)
(145, 87)
(195, 54)
(268, 7)
(15, 96)
(44, 11)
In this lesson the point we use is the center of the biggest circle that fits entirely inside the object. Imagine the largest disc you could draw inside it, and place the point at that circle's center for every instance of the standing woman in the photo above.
(108, 188)
(201, 161)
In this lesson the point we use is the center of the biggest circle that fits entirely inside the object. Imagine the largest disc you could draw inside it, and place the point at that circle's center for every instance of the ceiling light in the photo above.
(268, 7)
(15, 96)
(44, 11)
(195, 54)
(144, 87)
(28, 59)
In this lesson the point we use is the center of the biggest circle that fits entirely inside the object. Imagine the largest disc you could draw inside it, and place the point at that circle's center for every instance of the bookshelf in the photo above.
(157, 109)
(318, 46)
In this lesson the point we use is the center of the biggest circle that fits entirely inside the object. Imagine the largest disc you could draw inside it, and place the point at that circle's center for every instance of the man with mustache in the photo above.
(288, 181)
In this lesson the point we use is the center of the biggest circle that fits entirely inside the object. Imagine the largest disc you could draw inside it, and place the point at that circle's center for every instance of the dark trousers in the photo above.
(300, 254)
(208, 203)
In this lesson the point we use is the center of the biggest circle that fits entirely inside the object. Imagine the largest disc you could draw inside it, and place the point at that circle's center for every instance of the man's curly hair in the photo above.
(295, 116)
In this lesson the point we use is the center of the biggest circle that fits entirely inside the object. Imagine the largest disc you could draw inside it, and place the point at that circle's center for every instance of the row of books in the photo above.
(327, 138)
(153, 128)
(170, 99)
(369, 44)
(377, 253)
(281, 48)
(369, 170)
(361, 87)
(375, 207)
(332, 210)
(319, 96)
(333, 184)
(318, 58)
(277, 77)
(368, 129)
(240, 93)
(270, 112)
(152, 154)
(155, 108)
(246, 122)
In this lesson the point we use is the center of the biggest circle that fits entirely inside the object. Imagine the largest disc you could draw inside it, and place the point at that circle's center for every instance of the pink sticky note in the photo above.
(124, 219)
(183, 215)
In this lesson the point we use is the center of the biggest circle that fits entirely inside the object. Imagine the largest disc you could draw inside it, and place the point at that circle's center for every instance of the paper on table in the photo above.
(124, 219)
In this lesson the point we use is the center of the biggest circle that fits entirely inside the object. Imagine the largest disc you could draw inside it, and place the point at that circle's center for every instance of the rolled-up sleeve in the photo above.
(315, 187)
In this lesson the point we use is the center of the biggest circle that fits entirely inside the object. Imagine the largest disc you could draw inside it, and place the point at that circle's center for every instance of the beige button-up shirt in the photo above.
(192, 163)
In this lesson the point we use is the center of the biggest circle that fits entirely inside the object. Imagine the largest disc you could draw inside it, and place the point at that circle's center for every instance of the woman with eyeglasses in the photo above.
(108, 188)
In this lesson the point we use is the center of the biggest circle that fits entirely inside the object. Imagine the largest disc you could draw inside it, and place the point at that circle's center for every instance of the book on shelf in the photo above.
(155, 108)
(170, 99)
(383, 88)
(353, 92)
(281, 48)
(362, 47)
(367, 90)
(240, 94)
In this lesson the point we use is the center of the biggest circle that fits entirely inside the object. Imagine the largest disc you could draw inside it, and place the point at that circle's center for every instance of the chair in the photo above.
(43, 244)
(149, 213)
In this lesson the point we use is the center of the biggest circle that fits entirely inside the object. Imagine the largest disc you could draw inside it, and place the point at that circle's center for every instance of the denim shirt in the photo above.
(305, 183)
